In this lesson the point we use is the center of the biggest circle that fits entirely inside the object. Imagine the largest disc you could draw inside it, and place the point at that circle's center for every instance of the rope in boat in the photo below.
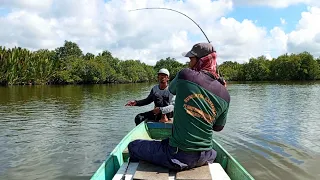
(125, 171)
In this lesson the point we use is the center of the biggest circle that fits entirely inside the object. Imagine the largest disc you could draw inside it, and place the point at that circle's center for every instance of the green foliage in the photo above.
(171, 64)
(301, 66)
(232, 71)
(133, 71)
(257, 69)
(69, 49)
(89, 56)
(68, 65)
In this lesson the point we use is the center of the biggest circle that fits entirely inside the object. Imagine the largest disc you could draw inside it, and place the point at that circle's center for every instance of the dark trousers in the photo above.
(149, 117)
(161, 153)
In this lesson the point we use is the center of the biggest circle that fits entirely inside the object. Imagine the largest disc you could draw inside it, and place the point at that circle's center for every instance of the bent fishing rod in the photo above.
(177, 12)
(159, 8)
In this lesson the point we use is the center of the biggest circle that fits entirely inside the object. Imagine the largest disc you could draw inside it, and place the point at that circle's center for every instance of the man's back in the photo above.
(202, 107)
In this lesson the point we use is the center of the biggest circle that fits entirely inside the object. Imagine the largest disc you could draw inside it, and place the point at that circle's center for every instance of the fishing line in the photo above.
(179, 13)
(158, 8)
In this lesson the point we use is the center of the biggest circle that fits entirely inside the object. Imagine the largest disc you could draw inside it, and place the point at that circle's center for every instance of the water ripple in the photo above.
(65, 132)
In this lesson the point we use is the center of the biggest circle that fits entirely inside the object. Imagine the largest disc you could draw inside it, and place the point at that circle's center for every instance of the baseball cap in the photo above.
(164, 71)
(200, 50)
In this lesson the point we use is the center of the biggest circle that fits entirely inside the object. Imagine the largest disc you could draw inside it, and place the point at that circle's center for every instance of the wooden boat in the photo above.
(116, 165)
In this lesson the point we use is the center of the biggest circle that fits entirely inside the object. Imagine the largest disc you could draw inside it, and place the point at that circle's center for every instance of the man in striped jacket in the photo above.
(161, 97)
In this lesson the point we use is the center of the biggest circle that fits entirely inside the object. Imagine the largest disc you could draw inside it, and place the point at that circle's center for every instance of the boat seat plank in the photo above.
(212, 171)
(217, 172)
(201, 173)
(143, 171)
(150, 171)
(130, 171)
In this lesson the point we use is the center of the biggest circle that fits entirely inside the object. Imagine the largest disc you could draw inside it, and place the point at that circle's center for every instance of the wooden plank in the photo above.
(217, 172)
(172, 175)
(126, 150)
(147, 170)
(130, 171)
(201, 173)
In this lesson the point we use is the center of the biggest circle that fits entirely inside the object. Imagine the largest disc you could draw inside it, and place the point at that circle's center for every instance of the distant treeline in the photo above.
(301, 66)
(68, 65)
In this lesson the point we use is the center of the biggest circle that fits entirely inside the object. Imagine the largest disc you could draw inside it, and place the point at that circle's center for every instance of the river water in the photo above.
(65, 132)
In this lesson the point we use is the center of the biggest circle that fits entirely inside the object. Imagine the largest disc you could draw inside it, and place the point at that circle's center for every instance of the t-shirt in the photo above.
(201, 106)
(162, 98)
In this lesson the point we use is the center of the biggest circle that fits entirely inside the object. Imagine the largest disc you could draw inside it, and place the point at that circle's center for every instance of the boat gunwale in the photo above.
(116, 149)
(233, 159)
(121, 146)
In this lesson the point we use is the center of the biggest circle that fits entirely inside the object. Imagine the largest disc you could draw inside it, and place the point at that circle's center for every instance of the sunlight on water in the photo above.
(65, 132)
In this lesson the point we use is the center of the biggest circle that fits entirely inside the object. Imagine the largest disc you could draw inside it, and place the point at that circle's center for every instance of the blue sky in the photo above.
(167, 39)
(4, 11)
(270, 17)
(266, 16)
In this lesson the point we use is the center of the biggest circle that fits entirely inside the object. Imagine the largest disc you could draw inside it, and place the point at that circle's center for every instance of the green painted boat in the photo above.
(157, 131)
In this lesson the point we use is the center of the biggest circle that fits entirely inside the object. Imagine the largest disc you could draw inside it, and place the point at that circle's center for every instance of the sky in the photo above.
(238, 29)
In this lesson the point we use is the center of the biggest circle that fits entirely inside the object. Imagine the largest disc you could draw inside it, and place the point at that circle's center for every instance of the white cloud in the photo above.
(276, 3)
(149, 35)
(34, 5)
(283, 21)
(306, 36)
(277, 42)
(237, 40)
(268, 56)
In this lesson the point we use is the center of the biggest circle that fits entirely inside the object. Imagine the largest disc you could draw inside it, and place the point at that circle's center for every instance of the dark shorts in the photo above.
(161, 153)
(149, 117)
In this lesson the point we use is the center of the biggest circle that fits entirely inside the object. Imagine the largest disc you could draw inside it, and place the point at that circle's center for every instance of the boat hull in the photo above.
(160, 131)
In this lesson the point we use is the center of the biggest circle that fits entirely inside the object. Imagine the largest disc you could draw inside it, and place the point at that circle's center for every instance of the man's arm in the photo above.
(170, 107)
(221, 121)
(145, 101)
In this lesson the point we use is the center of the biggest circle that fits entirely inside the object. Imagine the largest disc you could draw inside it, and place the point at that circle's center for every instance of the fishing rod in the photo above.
(159, 8)
(177, 12)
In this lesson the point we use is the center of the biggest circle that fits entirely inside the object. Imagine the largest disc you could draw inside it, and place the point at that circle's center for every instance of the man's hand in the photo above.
(156, 110)
(131, 103)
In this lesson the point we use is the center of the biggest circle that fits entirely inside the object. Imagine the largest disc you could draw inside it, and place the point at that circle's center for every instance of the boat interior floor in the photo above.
(146, 171)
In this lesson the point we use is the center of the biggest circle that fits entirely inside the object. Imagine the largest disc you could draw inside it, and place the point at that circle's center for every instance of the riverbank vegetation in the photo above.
(302, 66)
(68, 65)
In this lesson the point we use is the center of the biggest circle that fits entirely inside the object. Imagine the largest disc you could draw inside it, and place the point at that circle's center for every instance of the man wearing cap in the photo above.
(201, 107)
(162, 98)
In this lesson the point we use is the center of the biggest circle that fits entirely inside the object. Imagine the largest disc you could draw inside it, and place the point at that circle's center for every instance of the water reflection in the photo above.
(268, 123)
(65, 132)
(62, 131)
